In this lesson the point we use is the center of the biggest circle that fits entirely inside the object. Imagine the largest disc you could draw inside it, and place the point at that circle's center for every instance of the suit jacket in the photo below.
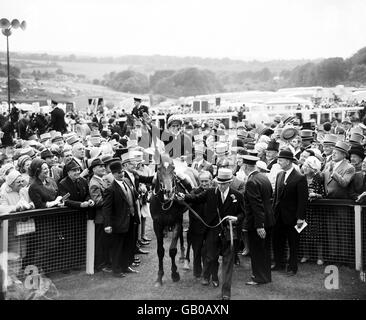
(58, 120)
(116, 210)
(357, 185)
(290, 199)
(40, 193)
(233, 205)
(79, 191)
(238, 185)
(337, 187)
(195, 225)
(258, 202)
(96, 189)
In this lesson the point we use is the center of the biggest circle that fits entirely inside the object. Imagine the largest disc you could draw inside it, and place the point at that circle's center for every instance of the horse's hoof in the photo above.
(158, 283)
(175, 276)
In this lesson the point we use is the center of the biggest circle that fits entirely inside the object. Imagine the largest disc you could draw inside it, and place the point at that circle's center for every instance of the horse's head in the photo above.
(165, 175)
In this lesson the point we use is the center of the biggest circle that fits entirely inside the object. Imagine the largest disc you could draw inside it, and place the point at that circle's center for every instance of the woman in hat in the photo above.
(23, 167)
(43, 190)
(313, 235)
(11, 200)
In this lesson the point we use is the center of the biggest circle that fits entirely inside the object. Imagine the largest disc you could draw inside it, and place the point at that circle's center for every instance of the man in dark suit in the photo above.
(290, 200)
(129, 162)
(120, 215)
(79, 198)
(259, 220)
(96, 190)
(76, 186)
(197, 230)
(57, 118)
(221, 202)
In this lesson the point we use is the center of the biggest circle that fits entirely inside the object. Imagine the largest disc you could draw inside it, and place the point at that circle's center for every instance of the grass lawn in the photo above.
(308, 284)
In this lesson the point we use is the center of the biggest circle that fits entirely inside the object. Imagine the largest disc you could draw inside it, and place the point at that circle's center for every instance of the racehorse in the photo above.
(167, 212)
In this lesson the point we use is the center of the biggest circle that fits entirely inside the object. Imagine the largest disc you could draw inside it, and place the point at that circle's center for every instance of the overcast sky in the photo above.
(256, 29)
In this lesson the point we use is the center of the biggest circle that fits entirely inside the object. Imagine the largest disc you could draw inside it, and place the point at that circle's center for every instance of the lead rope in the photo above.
(216, 225)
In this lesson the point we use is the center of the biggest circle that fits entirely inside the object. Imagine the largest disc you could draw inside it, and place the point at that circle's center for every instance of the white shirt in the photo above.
(131, 177)
(287, 173)
(224, 195)
(121, 184)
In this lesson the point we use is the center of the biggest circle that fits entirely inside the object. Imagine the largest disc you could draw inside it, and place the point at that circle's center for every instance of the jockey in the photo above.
(177, 143)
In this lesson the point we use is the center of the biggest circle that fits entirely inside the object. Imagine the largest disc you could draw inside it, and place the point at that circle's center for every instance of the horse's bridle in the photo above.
(167, 204)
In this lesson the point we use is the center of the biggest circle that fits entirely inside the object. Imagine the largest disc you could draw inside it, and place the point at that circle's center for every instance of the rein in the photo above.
(216, 225)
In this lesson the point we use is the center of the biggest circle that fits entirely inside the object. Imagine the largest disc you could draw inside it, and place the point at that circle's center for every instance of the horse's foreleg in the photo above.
(159, 233)
(173, 251)
(181, 242)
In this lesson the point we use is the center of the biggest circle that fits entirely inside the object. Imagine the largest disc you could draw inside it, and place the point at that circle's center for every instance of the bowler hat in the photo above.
(96, 162)
(358, 150)
(273, 145)
(342, 146)
(286, 154)
(46, 154)
(115, 166)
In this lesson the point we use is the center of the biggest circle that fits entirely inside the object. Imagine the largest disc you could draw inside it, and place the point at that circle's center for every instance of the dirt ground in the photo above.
(308, 284)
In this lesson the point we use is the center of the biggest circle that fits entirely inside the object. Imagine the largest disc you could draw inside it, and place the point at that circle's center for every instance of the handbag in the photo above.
(24, 227)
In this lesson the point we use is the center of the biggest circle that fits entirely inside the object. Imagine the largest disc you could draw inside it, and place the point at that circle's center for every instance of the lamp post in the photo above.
(6, 27)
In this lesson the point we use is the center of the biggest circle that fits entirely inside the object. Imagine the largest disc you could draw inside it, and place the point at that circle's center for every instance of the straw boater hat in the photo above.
(224, 175)
(131, 156)
(221, 149)
(262, 166)
(342, 146)
(289, 133)
(57, 136)
(307, 134)
(199, 148)
(72, 140)
(45, 136)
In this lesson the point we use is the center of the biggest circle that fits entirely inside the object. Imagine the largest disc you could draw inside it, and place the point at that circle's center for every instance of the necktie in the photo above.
(281, 183)
(129, 196)
(222, 197)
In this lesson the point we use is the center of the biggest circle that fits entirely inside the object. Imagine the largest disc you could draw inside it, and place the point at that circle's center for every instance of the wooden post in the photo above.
(90, 245)
(4, 252)
(358, 242)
